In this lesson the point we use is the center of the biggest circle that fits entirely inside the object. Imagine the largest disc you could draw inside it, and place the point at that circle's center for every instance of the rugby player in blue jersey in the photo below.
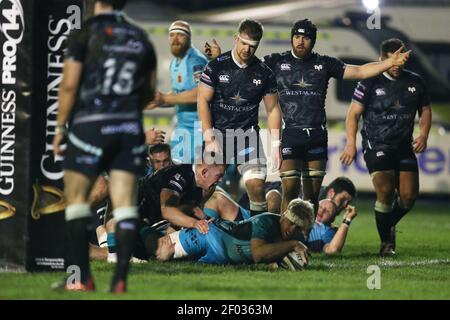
(185, 70)
(263, 238)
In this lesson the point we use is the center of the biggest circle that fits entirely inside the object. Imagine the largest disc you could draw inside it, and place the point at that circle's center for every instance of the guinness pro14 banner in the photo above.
(33, 36)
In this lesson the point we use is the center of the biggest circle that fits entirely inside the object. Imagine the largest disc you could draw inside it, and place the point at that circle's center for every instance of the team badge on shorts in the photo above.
(286, 151)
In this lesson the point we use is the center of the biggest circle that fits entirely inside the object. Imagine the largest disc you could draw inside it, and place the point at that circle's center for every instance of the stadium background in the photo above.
(31, 216)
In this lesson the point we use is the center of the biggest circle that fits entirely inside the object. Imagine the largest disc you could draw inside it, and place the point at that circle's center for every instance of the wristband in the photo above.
(347, 221)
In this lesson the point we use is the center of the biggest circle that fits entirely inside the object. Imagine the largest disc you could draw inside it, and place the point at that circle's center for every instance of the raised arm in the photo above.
(337, 243)
(369, 70)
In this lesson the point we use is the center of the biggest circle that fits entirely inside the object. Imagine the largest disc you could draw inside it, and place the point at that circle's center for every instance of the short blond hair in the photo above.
(301, 213)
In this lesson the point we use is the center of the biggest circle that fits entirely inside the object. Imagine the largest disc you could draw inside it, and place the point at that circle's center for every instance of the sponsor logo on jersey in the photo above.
(412, 89)
(318, 67)
(316, 150)
(380, 92)
(257, 82)
(223, 58)
(224, 78)
(380, 153)
(285, 67)
(286, 151)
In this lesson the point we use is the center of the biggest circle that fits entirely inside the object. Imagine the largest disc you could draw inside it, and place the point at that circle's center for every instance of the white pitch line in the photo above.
(388, 263)
(419, 263)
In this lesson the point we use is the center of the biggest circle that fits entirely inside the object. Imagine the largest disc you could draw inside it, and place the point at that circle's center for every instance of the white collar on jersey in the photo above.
(243, 65)
(298, 58)
(387, 75)
(293, 54)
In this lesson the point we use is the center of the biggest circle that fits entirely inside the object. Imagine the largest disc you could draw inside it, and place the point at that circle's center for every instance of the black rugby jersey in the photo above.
(117, 59)
(302, 86)
(390, 107)
(238, 91)
(178, 178)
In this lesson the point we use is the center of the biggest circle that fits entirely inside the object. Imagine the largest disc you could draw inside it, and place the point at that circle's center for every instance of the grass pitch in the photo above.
(421, 270)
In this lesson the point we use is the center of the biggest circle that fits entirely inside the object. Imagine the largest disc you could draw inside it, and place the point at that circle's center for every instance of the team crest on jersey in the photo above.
(318, 67)
(179, 78)
(109, 31)
(412, 89)
(224, 78)
(256, 82)
(238, 98)
(285, 67)
(380, 92)
(303, 83)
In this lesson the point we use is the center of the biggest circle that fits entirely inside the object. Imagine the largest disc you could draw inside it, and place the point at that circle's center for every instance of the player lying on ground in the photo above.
(159, 157)
(264, 238)
(324, 237)
(341, 190)
(167, 192)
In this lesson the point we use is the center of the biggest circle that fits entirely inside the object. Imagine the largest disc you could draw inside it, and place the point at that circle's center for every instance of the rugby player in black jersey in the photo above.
(302, 80)
(109, 75)
(302, 77)
(231, 88)
(389, 103)
(168, 192)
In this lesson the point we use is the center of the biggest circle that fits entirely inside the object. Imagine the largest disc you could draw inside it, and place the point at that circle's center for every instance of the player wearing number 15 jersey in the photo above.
(109, 75)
